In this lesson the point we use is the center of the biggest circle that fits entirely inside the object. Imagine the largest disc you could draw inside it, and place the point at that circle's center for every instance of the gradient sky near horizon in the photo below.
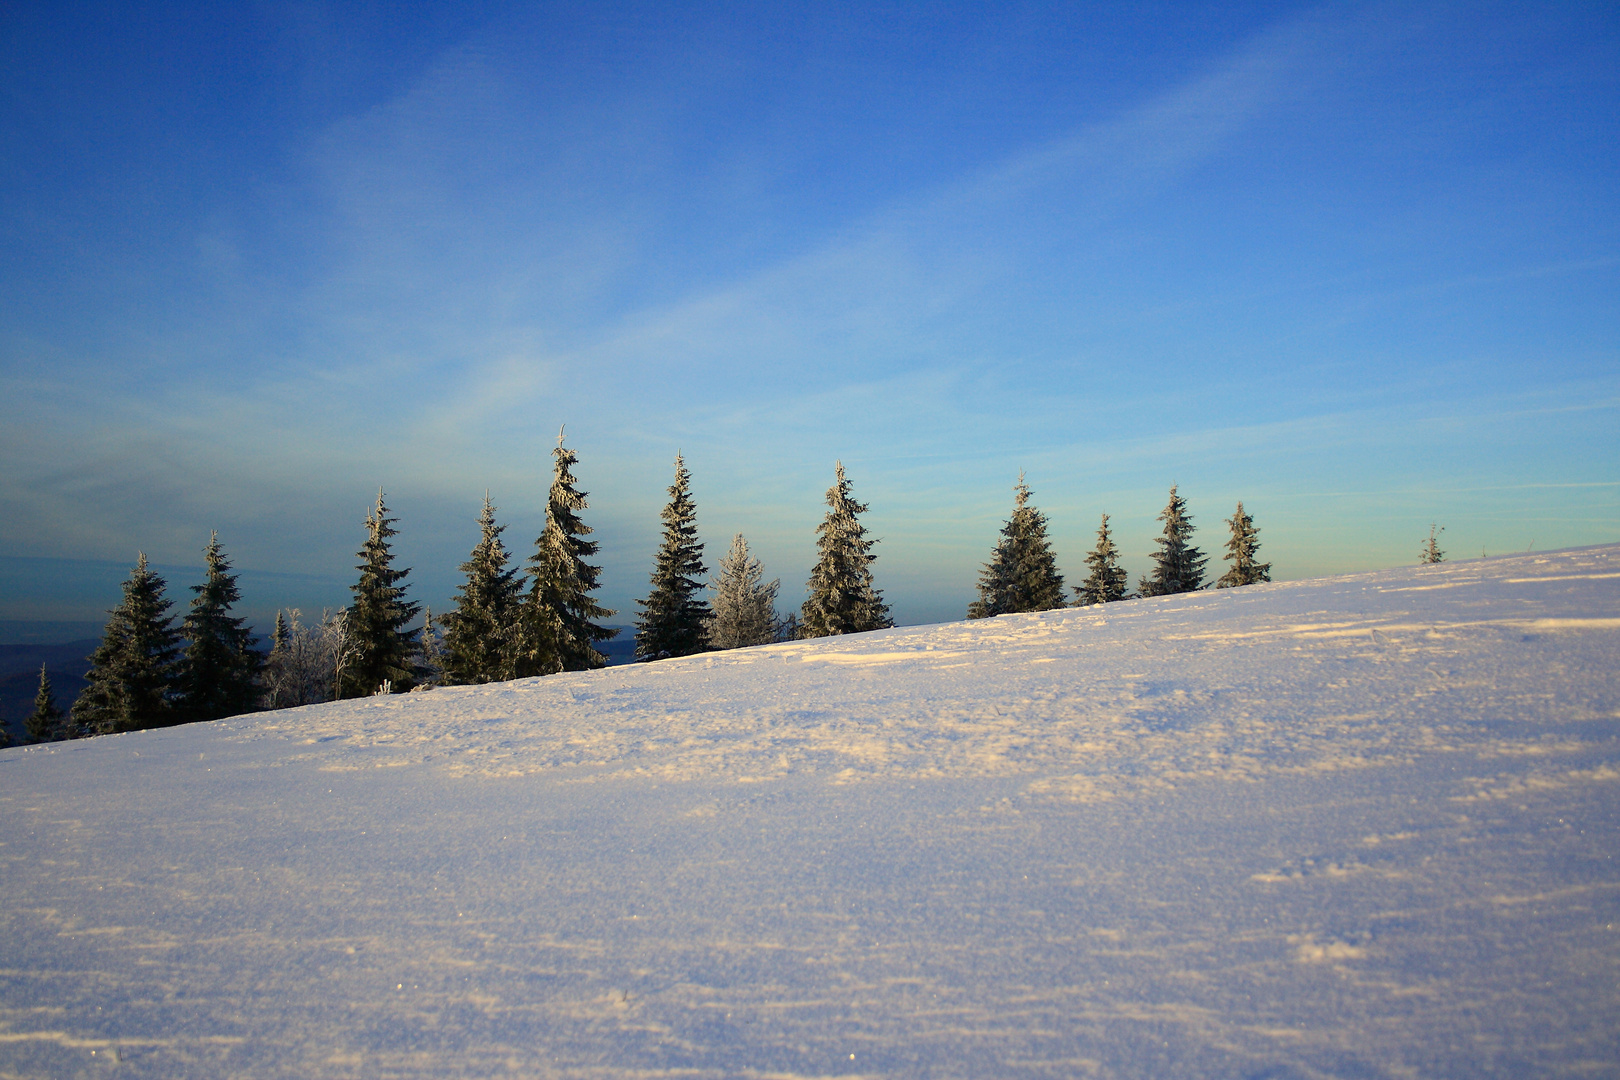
(1354, 264)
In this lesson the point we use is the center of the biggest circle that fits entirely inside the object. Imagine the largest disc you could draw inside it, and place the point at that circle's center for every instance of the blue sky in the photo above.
(1354, 264)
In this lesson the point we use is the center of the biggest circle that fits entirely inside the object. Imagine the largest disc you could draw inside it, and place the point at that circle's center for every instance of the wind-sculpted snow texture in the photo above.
(1362, 827)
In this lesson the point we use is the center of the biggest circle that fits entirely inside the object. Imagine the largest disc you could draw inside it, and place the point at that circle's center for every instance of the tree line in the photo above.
(1022, 574)
(512, 622)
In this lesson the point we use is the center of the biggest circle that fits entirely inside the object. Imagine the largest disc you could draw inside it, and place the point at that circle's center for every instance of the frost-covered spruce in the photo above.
(132, 672)
(842, 599)
(1022, 574)
(1240, 552)
(674, 617)
(305, 663)
(1106, 581)
(1178, 567)
(744, 607)
(482, 635)
(45, 723)
(429, 652)
(277, 674)
(379, 621)
(220, 668)
(559, 631)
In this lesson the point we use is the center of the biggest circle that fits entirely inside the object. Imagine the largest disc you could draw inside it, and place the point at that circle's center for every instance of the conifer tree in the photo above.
(278, 668)
(1022, 573)
(220, 669)
(430, 654)
(1178, 567)
(1106, 582)
(1431, 552)
(45, 723)
(1240, 552)
(559, 627)
(674, 617)
(481, 636)
(132, 672)
(379, 620)
(842, 599)
(744, 608)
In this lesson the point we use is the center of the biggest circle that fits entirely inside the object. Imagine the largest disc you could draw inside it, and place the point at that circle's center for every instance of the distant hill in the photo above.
(620, 650)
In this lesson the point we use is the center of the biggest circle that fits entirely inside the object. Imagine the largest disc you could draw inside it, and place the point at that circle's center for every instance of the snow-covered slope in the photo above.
(1357, 827)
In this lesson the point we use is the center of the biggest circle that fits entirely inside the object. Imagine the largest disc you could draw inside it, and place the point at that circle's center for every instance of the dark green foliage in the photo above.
(842, 599)
(481, 635)
(132, 672)
(1178, 567)
(47, 722)
(1106, 581)
(219, 672)
(744, 609)
(1022, 574)
(1431, 552)
(674, 616)
(1240, 552)
(559, 631)
(379, 621)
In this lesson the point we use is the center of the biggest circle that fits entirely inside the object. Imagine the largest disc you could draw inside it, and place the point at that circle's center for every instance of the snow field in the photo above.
(1363, 826)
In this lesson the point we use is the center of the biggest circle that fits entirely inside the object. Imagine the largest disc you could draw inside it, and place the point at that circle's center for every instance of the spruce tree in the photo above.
(1106, 582)
(559, 627)
(842, 599)
(1178, 567)
(1431, 552)
(1022, 574)
(674, 616)
(220, 669)
(379, 620)
(744, 608)
(430, 653)
(1240, 552)
(45, 723)
(132, 672)
(278, 676)
(481, 636)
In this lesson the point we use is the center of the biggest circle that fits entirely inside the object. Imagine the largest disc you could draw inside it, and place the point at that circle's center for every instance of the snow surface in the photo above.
(1358, 827)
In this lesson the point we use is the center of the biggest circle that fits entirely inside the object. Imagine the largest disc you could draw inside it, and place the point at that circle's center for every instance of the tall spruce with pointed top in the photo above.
(1106, 581)
(842, 599)
(1241, 549)
(379, 620)
(45, 723)
(1022, 574)
(132, 672)
(1178, 567)
(221, 668)
(744, 608)
(674, 617)
(481, 637)
(559, 628)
